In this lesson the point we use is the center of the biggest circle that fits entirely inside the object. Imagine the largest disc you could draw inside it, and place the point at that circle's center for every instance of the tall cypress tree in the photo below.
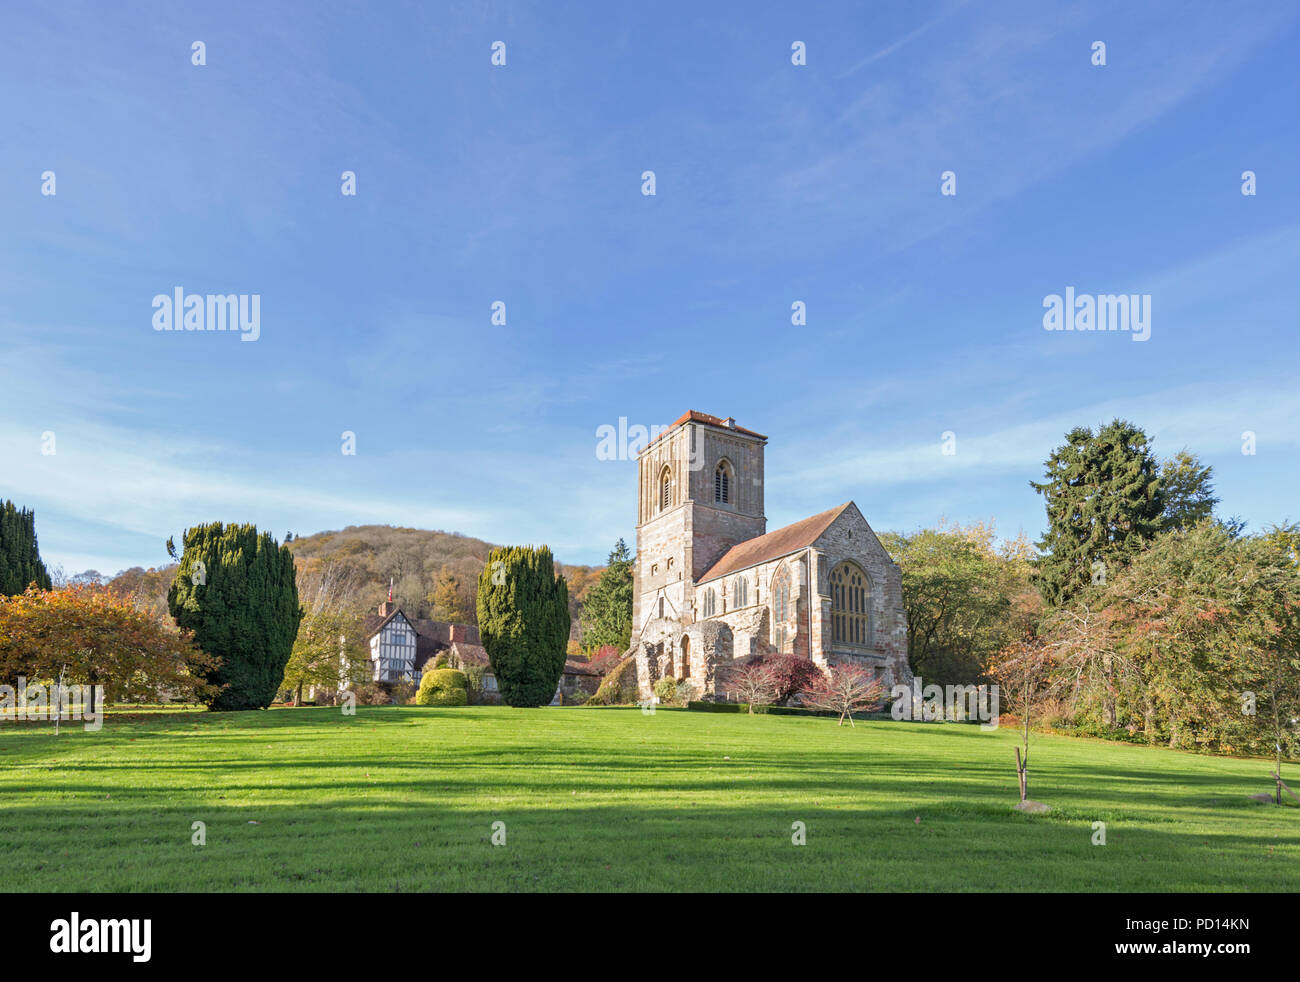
(523, 618)
(235, 589)
(1104, 503)
(20, 558)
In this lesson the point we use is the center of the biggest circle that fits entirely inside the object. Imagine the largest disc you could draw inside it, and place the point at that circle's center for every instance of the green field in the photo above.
(404, 798)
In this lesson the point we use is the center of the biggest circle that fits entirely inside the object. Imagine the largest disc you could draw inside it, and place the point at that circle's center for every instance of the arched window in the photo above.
(665, 489)
(739, 593)
(850, 606)
(710, 602)
(661, 608)
(686, 657)
(780, 608)
(722, 483)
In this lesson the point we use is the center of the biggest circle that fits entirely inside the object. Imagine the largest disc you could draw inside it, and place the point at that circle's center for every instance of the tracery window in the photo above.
(850, 606)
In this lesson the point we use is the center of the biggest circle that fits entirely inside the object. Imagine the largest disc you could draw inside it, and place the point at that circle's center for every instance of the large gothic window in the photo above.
(780, 608)
(710, 602)
(722, 483)
(850, 606)
(686, 657)
(739, 593)
(665, 489)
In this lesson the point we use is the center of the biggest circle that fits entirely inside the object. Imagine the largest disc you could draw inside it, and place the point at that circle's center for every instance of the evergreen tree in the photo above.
(1104, 503)
(20, 558)
(1189, 495)
(236, 590)
(523, 618)
(607, 612)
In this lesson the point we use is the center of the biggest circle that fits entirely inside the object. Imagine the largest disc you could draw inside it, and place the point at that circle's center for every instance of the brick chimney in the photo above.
(458, 632)
(386, 608)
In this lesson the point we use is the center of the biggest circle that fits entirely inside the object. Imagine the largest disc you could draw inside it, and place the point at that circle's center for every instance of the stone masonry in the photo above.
(711, 586)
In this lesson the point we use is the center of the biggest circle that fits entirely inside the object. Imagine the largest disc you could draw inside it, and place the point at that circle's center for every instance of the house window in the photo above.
(665, 489)
(661, 607)
(710, 602)
(850, 606)
(722, 484)
(686, 657)
(739, 593)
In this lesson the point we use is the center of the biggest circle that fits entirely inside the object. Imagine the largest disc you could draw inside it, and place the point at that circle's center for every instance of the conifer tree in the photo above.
(20, 558)
(236, 590)
(607, 611)
(523, 618)
(1104, 503)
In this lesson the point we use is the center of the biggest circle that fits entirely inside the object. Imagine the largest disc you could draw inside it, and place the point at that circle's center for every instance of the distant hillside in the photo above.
(412, 558)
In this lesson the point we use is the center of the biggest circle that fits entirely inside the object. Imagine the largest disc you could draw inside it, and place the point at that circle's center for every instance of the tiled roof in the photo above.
(782, 542)
(471, 654)
(574, 666)
(691, 416)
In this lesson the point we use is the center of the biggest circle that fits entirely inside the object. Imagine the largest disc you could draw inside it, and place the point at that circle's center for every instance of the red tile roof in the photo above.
(691, 416)
(782, 542)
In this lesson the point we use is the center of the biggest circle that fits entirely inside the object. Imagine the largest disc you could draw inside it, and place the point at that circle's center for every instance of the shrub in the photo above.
(371, 694)
(443, 687)
(402, 693)
(666, 689)
(618, 687)
(442, 661)
(605, 658)
(790, 675)
(474, 683)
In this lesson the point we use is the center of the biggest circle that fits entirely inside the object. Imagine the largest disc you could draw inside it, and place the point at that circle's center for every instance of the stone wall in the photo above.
(851, 538)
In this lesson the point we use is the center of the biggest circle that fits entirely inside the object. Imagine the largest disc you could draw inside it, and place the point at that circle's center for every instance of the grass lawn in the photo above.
(404, 798)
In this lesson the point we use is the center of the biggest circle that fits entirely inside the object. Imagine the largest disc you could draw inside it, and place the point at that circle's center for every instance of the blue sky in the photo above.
(775, 183)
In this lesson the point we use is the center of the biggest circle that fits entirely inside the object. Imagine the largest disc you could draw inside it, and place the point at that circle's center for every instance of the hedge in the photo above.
(740, 707)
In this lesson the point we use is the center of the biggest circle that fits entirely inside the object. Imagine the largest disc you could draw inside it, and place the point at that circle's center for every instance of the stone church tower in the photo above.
(711, 585)
(700, 493)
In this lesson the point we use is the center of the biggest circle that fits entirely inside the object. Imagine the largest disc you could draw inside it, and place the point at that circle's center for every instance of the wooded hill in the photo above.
(421, 563)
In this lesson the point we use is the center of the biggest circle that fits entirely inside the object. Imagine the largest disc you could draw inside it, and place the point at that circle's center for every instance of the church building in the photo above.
(711, 585)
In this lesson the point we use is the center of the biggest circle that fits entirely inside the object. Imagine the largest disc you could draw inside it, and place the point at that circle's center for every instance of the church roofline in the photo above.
(774, 545)
(717, 422)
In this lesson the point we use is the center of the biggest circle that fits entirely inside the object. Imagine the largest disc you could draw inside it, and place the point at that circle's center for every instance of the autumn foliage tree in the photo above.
(94, 637)
(753, 682)
(790, 675)
(845, 689)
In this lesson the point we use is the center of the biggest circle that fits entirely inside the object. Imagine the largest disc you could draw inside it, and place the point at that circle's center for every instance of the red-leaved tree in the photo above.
(790, 675)
(753, 681)
(845, 689)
